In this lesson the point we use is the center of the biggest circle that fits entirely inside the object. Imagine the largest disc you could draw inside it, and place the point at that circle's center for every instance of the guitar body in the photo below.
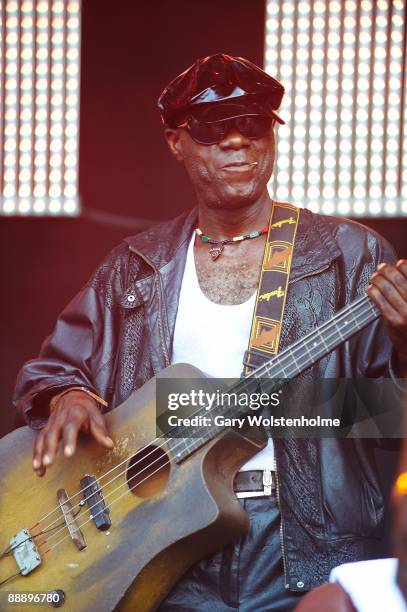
(180, 514)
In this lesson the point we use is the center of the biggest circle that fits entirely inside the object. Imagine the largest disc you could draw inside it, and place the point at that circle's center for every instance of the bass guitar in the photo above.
(115, 530)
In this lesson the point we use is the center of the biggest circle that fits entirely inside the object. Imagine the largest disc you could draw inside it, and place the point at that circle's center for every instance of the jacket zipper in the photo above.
(283, 553)
(157, 284)
(160, 323)
(286, 582)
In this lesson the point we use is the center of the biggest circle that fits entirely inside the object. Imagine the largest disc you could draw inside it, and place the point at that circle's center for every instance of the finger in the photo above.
(394, 275)
(37, 454)
(391, 293)
(401, 265)
(77, 420)
(70, 436)
(37, 449)
(99, 430)
(51, 441)
(390, 314)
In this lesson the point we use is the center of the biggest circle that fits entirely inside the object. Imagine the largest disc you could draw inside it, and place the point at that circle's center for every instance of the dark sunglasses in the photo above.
(252, 127)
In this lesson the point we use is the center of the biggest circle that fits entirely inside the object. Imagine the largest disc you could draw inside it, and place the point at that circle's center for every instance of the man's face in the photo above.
(230, 174)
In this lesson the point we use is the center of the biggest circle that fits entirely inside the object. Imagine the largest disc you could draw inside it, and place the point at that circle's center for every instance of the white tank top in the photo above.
(213, 337)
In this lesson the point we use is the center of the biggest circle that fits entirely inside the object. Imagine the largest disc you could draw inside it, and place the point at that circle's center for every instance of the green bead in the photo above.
(205, 238)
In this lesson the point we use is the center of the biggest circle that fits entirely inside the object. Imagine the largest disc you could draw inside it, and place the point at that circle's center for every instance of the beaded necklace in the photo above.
(219, 245)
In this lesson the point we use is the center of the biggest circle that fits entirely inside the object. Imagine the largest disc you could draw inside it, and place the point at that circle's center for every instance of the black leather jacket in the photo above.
(117, 333)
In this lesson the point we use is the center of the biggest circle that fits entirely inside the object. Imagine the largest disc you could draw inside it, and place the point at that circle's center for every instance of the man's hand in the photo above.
(75, 411)
(388, 290)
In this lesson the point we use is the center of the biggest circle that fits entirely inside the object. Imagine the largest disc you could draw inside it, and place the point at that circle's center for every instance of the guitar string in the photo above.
(123, 484)
(10, 578)
(156, 439)
(290, 350)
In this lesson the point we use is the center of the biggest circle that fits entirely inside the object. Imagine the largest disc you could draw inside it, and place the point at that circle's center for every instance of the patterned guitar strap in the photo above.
(273, 285)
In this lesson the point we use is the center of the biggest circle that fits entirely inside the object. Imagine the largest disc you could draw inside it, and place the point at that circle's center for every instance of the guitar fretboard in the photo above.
(286, 365)
(320, 341)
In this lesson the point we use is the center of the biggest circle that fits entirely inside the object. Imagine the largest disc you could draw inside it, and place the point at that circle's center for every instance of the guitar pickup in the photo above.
(93, 496)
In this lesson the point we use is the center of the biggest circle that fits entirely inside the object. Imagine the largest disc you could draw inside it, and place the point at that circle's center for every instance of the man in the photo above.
(134, 318)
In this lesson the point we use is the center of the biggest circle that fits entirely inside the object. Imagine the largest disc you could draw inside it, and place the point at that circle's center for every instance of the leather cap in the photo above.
(220, 87)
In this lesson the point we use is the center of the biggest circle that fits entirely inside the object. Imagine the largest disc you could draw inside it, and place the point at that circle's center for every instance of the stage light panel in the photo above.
(343, 207)
(359, 191)
(313, 161)
(313, 192)
(298, 192)
(345, 77)
(328, 192)
(282, 193)
(39, 191)
(328, 207)
(298, 163)
(40, 54)
(70, 207)
(374, 207)
(390, 207)
(39, 206)
(283, 178)
(375, 191)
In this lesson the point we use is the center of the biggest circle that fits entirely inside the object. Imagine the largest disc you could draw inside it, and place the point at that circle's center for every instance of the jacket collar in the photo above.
(315, 248)
(158, 244)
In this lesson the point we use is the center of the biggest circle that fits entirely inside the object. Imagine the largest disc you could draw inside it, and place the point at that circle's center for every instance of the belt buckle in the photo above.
(267, 484)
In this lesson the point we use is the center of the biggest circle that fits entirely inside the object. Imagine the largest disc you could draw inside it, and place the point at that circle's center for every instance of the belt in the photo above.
(254, 483)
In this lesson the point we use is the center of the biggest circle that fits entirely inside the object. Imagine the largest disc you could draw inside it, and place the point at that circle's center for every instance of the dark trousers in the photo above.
(247, 576)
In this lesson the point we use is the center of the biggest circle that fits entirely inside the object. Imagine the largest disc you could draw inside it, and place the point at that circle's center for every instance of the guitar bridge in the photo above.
(69, 518)
(25, 552)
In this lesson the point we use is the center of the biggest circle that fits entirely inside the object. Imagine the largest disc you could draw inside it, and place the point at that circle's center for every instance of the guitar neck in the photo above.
(320, 341)
(289, 363)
